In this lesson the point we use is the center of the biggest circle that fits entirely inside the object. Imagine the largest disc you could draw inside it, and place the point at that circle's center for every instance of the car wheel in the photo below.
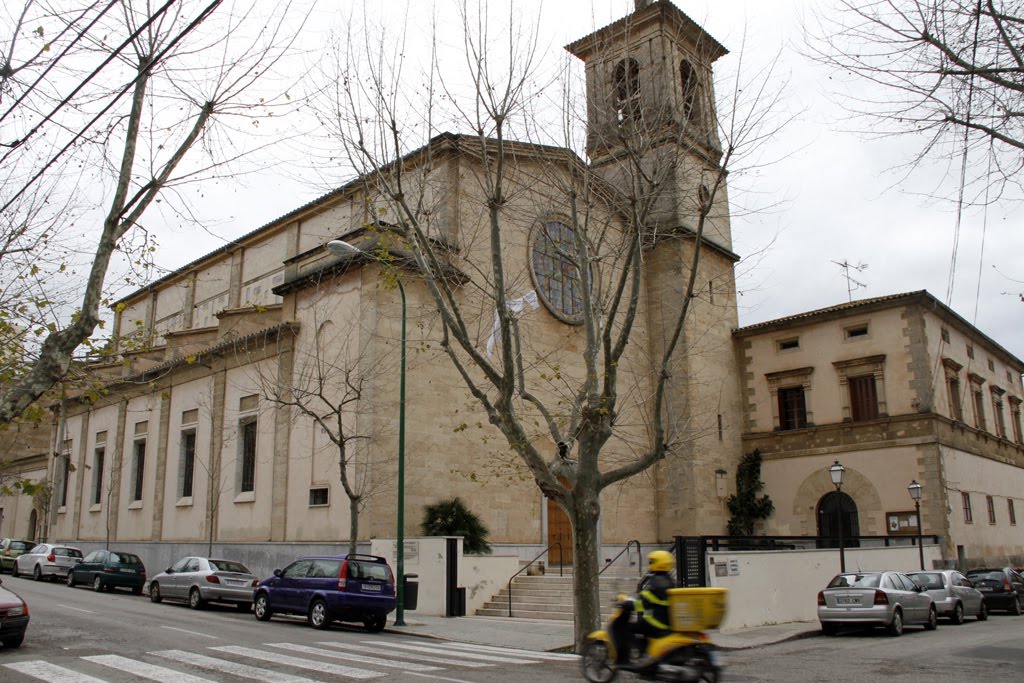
(70, 581)
(154, 593)
(895, 627)
(1015, 608)
(261, 608)
(933, 619)
(957, 617)
(317, 616)
(983, 612)
(195, 600)
(14, 570)
(14, 641)
(97, 585)
(37, 573)
(375, 623)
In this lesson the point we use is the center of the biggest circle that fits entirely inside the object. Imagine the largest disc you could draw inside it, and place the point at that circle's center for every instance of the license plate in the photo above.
(234, 582)
(372, 587)
(985, 589)
(847, 601)
(127, 571)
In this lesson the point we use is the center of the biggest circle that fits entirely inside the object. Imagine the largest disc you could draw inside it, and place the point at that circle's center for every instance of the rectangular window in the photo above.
(187, 463)
(863, 398)
(856, 331)
(247, 443)
(968, 515)
(956, 409)
(991, 366)
(991, 509)
(979, 409)
(944, 333)
(1011, 511)
(1015, 421)
(970, 352)
(319, 496)
(65, 473)
(97, 474)
(792, 408)
(997, 408)
(138, 469)
(787, 344)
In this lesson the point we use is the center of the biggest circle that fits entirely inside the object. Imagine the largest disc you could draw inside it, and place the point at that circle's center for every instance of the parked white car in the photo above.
(954, 594)
(47, 561)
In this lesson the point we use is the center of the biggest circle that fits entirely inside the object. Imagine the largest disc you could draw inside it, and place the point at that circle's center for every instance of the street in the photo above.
(980, 652)
(120, 637)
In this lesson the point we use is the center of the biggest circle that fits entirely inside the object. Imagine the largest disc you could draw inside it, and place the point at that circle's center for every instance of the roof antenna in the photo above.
(851, 283)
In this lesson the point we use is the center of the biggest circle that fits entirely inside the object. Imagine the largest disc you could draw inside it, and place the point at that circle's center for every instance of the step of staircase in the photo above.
(549, 596)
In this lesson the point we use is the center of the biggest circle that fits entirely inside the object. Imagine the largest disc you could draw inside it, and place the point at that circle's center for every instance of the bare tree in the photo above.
(655, 164)
(328, 391)
(950, 71)
(106, 106)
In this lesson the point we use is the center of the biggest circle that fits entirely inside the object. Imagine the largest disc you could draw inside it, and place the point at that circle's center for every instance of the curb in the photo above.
(796, 636)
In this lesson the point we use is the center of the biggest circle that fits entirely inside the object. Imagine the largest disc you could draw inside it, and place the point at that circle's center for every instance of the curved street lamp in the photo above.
(915, 492)
(340, 248)
(836, 472)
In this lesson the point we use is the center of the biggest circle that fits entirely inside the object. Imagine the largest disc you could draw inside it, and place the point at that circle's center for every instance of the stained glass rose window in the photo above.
(552, 252)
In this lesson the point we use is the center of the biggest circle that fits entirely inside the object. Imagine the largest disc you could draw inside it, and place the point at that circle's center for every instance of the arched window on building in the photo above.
(691, 93)
(837, 508)
(627, 91)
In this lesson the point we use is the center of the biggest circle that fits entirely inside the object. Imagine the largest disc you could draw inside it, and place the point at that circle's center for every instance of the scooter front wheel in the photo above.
(596, 664)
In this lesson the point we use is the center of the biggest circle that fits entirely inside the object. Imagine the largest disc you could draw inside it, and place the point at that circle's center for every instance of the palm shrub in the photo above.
(451, 517)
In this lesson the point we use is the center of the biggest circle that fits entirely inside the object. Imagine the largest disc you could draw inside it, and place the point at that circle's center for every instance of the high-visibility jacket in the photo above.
(652, 602)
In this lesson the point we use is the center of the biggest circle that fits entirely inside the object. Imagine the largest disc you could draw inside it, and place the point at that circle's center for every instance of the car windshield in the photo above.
(228, 566)
(929, 581)
(855, 581)
(986, 575)
(125, 558)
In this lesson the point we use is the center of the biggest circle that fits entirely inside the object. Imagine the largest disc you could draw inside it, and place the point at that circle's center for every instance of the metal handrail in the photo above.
(639, 554)
(529, 564)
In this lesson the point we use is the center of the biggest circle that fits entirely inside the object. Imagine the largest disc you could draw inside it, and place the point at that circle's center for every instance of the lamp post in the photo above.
(836, 472)
(340, 248)
(915, 492)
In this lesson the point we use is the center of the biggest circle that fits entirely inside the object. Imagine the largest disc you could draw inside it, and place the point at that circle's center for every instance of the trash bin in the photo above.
(410, 591)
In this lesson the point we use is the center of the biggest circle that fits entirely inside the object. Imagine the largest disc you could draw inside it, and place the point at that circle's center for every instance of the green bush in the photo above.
(451, 517)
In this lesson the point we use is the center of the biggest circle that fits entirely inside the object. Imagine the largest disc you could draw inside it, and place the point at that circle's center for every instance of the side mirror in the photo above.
(168, 571)
(277, 573)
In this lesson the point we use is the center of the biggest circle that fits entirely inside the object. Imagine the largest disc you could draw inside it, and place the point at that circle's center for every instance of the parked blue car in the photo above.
(353, 588)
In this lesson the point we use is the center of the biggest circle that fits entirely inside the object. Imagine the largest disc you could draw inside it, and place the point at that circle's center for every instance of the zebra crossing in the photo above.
(287, 662)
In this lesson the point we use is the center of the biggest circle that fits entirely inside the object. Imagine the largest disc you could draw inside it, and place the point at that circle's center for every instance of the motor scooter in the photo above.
(687, 653)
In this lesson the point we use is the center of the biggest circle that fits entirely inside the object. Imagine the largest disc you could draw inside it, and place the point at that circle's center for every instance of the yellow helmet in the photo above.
(661, 561)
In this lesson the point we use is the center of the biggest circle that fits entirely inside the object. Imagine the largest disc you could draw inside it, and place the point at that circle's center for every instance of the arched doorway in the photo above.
(837, 508)
(32, 520)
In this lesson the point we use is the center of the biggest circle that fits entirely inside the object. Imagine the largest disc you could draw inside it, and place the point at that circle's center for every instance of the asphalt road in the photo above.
(118, 637)
(978, 652)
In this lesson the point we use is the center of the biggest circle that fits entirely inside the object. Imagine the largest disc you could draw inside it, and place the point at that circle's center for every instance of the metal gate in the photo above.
(691, 563)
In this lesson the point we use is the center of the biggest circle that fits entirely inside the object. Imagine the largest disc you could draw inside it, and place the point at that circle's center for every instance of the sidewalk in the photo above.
(545, 635)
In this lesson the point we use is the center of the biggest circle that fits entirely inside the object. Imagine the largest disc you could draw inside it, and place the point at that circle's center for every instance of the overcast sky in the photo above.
(841, 199)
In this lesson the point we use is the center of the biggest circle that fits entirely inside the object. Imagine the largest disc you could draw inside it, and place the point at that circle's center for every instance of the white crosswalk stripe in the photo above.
(52, 673)
(425, 659)
(362, 659)
(491, 659)
(473, 647)
(150, 671)
(234, 668)
(408, 655)
(321, 667)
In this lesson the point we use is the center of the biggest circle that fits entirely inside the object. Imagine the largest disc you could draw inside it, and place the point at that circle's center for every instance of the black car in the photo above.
(108, 569)
(355, 588)
(1002, 589)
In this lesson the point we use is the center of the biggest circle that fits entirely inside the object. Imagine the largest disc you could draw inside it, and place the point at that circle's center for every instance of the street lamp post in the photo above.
(836, 472)
(915, 492)
(340, 248)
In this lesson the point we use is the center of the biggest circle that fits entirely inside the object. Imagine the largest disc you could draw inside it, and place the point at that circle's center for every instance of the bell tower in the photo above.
(652, 133)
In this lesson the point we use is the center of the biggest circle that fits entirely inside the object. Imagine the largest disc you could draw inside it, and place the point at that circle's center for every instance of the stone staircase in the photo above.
(550, 596)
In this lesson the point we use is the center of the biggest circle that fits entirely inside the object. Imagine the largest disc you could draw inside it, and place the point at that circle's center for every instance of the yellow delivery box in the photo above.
(696, 609)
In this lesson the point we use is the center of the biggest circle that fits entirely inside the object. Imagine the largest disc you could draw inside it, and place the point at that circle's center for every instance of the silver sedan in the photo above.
(953, 593)
(882, 598)
(199, 580)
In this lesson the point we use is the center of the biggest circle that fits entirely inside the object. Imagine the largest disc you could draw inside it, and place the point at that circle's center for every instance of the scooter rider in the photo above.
(650, 607)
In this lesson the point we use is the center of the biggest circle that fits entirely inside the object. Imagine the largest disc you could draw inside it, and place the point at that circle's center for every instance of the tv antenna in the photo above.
(851, 282)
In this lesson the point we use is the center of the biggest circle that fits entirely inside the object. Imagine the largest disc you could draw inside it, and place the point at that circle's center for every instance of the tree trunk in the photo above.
(353, 511)
(585, 563)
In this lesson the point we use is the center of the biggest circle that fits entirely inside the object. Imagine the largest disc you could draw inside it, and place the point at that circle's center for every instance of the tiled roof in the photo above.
(838, 308)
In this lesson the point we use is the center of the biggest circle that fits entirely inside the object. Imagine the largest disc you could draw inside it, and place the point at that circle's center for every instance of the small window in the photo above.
(247, 447)
(970, 352)
(1009, 377)
(319, 496)
(944, 333)
(627, 91)
(965, 497)
(991, 509)
(187, 464)
(138, 469)
(1011, 511)
(98, 457)
(787, 344)
(991, 365)
(856, 331)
